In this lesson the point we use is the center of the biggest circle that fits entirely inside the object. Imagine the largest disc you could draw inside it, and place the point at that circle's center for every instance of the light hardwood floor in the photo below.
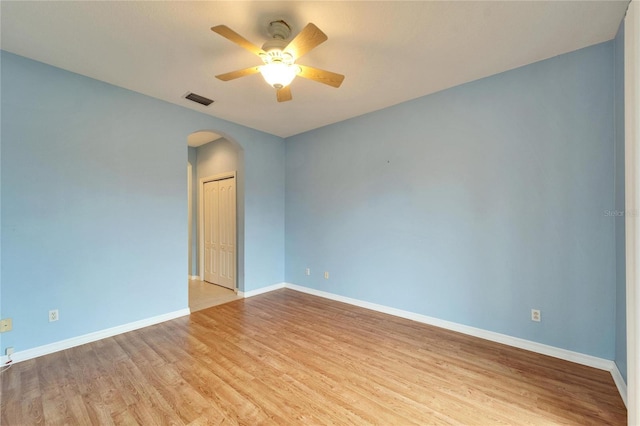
(289, 358)
(204, 295)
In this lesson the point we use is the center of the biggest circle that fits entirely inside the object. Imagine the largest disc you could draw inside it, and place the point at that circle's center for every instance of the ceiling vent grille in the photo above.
(199, 99)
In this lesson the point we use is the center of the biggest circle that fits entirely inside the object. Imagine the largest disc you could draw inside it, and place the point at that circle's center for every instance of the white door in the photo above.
(219, 211)
(227, 233)
(210, 200)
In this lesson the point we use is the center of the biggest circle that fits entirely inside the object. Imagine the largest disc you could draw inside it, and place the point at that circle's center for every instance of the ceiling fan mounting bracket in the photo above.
(279, 30)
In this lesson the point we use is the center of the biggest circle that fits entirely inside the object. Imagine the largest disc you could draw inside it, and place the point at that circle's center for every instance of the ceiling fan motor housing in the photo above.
(274, 44)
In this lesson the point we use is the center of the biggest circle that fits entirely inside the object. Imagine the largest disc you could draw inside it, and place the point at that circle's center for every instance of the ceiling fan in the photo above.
(279, 57)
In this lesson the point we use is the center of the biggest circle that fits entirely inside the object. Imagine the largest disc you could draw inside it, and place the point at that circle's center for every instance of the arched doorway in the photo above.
(212, 155)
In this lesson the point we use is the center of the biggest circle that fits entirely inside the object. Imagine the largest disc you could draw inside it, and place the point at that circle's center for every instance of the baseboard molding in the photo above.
(579, 358)
(567, 355)
(258, 291)
(620, 383)
(194, 277)
(92, 337)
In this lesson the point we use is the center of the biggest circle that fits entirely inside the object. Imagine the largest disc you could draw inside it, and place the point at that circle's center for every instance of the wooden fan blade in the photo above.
(233, 36)
(310, 37)
(284, 94)
(321, 76)
(237, 74)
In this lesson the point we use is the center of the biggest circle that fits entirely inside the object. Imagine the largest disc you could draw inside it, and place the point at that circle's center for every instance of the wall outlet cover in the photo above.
(53, 315)
(6, 325)
(535, 315)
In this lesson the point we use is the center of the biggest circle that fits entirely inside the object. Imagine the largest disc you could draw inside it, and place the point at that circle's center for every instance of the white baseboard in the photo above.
(194, 277)
(620, 384)
(579, 358)
(576, 357)
(258, 291)
(92, 337)
(567, 355)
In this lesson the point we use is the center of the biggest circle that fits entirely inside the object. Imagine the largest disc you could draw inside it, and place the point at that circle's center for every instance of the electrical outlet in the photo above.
(53, 315)
(535, 315)
(6, 325)
(9, 351)
(326, 275)
(307, 271)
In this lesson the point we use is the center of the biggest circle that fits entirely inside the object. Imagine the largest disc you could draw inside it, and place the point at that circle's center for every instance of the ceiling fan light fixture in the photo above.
(279, 57)
(279, 74)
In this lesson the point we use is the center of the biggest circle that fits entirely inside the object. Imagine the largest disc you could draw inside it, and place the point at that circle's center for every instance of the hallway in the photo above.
(205, 295)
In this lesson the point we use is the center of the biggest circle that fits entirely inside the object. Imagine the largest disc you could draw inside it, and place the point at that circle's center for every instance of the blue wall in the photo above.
(473, 205)
(94, 203)
(1, 313)
(192, 159)
(621, 286)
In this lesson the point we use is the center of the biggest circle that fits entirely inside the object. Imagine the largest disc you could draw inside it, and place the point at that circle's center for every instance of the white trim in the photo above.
(620, 384)
(588, 360)
(577, 357)
(194, 277)
(190, 216)
(632, 205)
(92, 337)
(201, 182)
(567, 355)
(258, 291)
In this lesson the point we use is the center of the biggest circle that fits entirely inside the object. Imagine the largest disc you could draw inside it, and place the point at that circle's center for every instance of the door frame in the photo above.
(190, 218)
(632, 205)
(201, 182)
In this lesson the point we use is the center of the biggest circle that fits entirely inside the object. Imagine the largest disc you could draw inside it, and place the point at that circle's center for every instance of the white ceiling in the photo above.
(390, 51)
(197, 139)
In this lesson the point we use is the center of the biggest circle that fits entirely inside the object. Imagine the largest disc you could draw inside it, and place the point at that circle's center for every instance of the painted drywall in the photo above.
(94, 203)
(192, 159)
(618, 217)
(223, 156)
(219, 156)
(472, 205)
(1, 313)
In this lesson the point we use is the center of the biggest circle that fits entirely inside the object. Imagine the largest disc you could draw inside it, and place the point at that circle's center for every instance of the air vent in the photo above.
(199, 99)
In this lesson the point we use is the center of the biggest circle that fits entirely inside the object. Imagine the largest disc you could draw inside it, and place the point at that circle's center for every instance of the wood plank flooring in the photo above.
(289, 358)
